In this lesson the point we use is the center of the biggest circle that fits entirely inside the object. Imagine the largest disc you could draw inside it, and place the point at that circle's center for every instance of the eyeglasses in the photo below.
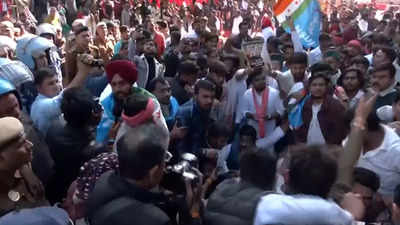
(167, 156)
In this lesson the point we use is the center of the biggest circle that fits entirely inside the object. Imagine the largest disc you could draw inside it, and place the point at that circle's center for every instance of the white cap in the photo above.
(46, 28)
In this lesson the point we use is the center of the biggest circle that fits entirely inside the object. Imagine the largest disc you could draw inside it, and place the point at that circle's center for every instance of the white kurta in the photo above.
(314, 131)
(246, 104)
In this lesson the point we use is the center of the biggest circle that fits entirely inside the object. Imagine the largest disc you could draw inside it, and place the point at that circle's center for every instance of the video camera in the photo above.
(185, 167)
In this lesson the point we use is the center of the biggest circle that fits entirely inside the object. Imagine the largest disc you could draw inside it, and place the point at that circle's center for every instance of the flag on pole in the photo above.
(306, 17)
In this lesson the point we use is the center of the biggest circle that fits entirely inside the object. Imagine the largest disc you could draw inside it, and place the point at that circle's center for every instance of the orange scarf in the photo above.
(261, 110)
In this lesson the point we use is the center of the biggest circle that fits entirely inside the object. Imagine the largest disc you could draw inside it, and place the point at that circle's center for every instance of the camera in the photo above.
(91, 62)
(185, 166)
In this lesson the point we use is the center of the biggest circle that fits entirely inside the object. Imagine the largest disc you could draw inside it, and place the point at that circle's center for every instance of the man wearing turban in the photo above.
(121, 75)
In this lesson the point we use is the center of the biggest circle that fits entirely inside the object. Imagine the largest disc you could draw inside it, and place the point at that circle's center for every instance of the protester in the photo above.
(352, 81)
(121, 75)
(383, 81)
(226, 81)
(317, 126)
(141, 166)
(234, 201)
(182, 84)
(46, 107)
(161, 89)
(195, 116)
(261, 106)
(71, 142)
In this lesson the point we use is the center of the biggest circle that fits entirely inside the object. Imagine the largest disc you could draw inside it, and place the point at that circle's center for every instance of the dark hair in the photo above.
(202, 61)
(123, 29)
(359, 60)
(258, 168)
(218, 67)
(188, 67)
(274, 41)
(135, 103)
(321, 67)
(205, 85)
(175, 35)
(81, 29)
(144, 36)
(287, 45)
(298, 58)
(319, 75)
(379, 38)
(153, 83)
(312, 170)
(325, 37)
(389, 51)
(218, 129)
(173, 28)
(110, 24)
(244, 23)
(208, 36)
(385, 67)
(277, 57)
(42, 74)
(360, 76)
(162, 24)
(140, 149)
(366, 178)
(249, 131)
(77, 106)
(119, 57)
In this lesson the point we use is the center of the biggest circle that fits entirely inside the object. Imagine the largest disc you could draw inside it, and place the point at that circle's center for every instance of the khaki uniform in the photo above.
(106, 49)
(24, 200)
(71, 66)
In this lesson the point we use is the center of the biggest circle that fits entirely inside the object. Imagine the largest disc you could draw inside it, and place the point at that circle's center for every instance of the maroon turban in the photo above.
(124, 68)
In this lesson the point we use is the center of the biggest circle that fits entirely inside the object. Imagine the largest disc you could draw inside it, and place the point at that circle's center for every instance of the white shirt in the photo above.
(235, 26)
(363, 25)
(45, 111)
(385, 161)
(263, 144)
(235, 88)
(246, 104)
(314, 131)
(286, 81)
(272, 82)
(299, 210)
(313, 56)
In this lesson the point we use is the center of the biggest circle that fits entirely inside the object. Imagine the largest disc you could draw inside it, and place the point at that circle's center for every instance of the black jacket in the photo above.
(115, 201)
(70, 148)
(233, 202)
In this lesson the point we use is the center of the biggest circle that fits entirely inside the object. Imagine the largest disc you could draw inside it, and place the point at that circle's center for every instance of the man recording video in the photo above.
(133, 193)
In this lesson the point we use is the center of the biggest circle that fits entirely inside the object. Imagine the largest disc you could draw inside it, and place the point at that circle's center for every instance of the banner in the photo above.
(306, 17)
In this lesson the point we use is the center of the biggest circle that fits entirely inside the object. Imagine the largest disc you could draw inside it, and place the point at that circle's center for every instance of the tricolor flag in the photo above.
(306, 17)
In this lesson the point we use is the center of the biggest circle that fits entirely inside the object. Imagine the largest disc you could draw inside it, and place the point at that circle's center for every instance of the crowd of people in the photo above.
(196, 112)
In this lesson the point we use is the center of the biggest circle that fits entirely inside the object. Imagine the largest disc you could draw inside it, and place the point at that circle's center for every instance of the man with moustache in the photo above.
(383, 81)
(121, 75)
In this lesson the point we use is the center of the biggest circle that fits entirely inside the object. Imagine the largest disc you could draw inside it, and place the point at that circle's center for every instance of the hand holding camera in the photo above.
(89, 60)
